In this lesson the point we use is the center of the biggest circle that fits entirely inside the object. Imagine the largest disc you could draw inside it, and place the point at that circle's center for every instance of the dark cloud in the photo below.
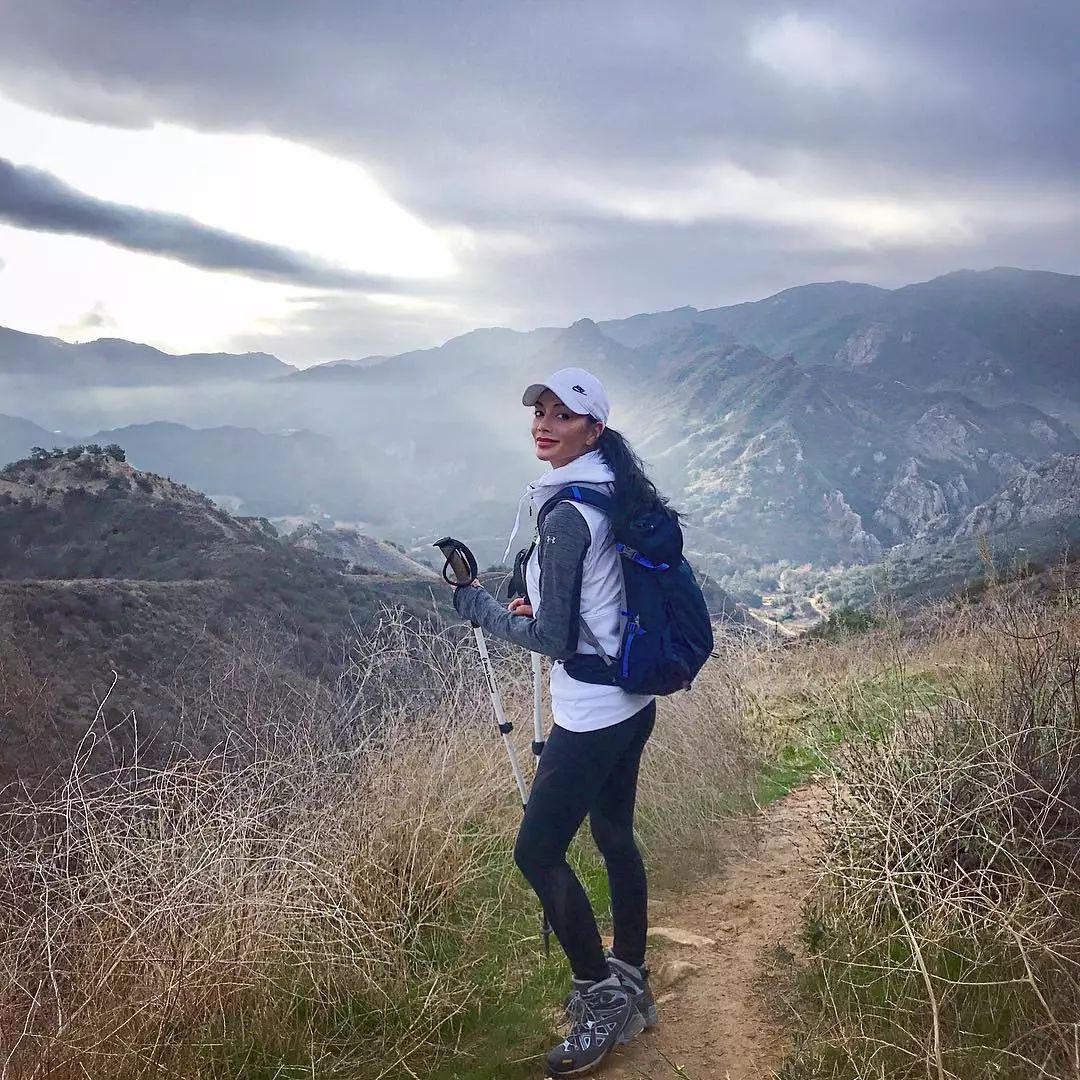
(97, 318)
(95, 322)
(33, 199)
(613, 157)
(459, 86)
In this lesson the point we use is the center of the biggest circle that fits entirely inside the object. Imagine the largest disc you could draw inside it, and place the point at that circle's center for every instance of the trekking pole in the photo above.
(519, 588)
(460, 560)
(538, 749)
(538, 709)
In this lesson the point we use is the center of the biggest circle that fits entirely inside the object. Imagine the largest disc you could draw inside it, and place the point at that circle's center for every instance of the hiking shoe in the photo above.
(600, 1016)
(635, 981)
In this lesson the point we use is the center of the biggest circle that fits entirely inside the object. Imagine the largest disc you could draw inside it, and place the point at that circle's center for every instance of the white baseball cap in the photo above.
(580, 391)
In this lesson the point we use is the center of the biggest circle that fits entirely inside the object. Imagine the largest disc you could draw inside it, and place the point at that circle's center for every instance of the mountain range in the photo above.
(1001, 335)
(825, 424)
(115, 362)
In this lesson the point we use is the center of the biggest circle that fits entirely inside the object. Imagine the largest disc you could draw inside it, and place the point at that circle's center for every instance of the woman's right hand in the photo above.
(520, 606)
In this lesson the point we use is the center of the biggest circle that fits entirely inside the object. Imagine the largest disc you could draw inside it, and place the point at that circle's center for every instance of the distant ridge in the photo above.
(116, 362)
(267, 473)
(17, 436)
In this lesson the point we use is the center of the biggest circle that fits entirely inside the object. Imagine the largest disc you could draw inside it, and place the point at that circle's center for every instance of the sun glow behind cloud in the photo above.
(821, 209)
(49, 283)
(253, 184)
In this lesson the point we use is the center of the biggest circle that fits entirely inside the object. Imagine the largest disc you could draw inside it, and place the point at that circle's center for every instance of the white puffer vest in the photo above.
(579, 706)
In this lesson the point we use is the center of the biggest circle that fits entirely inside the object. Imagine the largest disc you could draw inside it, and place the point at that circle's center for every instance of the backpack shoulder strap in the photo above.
(575, 493)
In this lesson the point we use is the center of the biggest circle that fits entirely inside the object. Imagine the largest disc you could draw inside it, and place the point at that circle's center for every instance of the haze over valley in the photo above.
(828, 426)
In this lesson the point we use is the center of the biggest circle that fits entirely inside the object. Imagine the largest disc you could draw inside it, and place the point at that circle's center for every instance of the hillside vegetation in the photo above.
(331, 891)
(122, 591)
(944, 935)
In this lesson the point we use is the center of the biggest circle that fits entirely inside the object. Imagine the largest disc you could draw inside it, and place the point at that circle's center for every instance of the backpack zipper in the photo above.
(633, 630)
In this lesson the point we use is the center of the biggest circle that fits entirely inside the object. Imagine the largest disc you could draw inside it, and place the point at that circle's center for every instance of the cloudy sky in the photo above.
(333, 178)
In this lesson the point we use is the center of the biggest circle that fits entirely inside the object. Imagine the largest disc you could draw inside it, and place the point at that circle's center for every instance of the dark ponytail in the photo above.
(635, 493)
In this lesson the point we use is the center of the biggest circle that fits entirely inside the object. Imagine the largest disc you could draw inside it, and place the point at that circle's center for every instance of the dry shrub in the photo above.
(206, 900)
(699, 769)
(313, 897)
(24, 711)
(948, 931)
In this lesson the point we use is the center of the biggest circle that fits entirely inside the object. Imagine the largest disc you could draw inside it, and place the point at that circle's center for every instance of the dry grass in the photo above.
(947, 933)
(330, 893)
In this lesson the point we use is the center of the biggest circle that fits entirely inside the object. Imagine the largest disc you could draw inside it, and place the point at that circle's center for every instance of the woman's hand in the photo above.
(463, 597)
(520, 606)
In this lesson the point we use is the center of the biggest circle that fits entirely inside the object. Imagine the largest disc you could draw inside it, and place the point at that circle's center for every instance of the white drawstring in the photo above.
(526, 494)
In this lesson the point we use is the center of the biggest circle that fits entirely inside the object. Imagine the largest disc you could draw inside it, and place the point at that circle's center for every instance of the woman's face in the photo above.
(559, 435)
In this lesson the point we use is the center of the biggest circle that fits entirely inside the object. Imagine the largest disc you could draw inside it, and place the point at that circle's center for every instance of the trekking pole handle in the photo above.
(459, 559)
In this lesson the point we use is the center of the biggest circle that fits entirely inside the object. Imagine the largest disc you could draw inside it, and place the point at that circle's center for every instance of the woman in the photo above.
(589, 766)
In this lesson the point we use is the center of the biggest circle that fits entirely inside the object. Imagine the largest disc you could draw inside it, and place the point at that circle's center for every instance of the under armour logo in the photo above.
(579, 389)
(550, 539)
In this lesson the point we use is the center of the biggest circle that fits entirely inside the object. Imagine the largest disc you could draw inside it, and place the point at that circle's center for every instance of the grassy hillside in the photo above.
(337, 896)
(343, 898)
(943, 936)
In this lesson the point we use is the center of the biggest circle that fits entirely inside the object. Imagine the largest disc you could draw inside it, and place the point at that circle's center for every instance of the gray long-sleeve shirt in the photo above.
(561, 548)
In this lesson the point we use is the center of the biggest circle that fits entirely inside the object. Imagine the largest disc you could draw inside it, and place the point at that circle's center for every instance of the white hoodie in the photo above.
(579, 706)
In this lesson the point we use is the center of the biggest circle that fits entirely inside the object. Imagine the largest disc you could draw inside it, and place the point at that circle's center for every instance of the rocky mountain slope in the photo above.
(360, 553)
(88, 514)
(1046, 493)
(999, 336)
(773, 460)
(96, 517)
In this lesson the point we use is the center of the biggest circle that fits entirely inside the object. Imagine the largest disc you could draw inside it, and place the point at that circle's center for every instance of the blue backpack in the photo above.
(667, 633)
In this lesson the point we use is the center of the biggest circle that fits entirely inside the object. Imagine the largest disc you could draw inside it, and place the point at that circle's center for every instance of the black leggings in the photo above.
(593, 773)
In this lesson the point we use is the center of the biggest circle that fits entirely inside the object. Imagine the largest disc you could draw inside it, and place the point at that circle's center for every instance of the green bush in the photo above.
(841, 621)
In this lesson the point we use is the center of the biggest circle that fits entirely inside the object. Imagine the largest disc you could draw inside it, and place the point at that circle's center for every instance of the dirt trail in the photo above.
(724, 1019)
